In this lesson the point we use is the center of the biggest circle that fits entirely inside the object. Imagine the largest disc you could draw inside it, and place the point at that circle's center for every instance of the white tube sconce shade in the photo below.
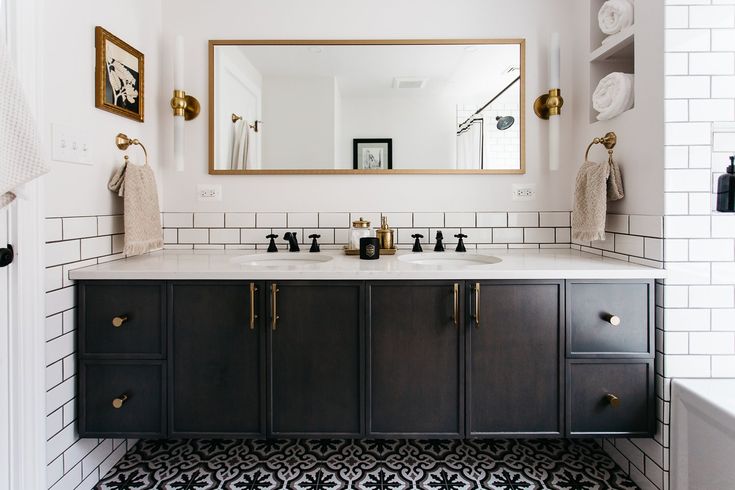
(185, 107)
(548, 106)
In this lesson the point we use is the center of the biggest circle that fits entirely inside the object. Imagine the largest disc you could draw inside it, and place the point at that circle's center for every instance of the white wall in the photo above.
(69, 61)
(640, 131)
(349, 19)
(422, 128)
(298, 122)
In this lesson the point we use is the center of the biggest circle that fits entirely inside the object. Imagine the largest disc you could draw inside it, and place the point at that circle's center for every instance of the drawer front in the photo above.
(122, 398)
(122, 319)
(594, 308)
(610, 398)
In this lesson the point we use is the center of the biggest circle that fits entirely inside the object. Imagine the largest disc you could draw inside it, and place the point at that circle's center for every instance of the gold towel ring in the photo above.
(123, 142)
(608, 141)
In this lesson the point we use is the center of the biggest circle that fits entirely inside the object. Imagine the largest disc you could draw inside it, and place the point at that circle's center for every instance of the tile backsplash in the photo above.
(542, 229)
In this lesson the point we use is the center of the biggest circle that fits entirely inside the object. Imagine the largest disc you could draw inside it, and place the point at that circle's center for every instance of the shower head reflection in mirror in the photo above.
(429, 97)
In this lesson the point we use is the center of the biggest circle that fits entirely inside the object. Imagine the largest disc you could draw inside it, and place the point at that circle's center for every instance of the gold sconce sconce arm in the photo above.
(185, 105)
(547, 105)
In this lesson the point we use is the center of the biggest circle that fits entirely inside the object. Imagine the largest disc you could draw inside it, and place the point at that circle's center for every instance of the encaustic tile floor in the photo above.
(329, 464)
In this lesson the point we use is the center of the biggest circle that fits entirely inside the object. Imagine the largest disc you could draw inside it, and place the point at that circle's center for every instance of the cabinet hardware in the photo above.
(253, 316)
(118, 321)
(613, 320)
(119, 401)
(477, 305)
(274, 305)
(613, 400)
(455, 310)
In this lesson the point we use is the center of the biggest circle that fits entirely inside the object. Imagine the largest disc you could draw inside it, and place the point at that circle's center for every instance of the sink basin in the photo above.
(443, 259)
(282, 259)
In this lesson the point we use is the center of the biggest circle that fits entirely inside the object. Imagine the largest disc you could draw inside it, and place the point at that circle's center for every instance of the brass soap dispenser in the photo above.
(385, 234)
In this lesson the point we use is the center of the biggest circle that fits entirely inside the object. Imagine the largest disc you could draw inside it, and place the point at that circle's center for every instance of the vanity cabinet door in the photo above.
(415, 359)
(514, 365)
(217, 359)
(315, 358)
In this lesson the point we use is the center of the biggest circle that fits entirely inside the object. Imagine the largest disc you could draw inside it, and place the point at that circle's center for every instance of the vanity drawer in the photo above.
(122, 398)
(609, 319)
(122, 319)
(612, 397)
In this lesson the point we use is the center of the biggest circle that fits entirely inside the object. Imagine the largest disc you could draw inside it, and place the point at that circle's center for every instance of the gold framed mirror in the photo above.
(409, 106)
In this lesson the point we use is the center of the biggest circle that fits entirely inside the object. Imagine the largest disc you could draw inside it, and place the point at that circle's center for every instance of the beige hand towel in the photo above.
(142, 218)
(596, 184)
(20, 154)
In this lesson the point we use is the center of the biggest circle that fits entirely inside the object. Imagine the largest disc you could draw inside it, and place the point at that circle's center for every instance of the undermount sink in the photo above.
(448, 259)
(282, 259)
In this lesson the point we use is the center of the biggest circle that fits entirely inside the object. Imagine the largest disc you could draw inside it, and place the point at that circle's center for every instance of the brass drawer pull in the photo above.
(613, 400)
(118, 321)
(274, 306)
(253, 316)
(477, 305)
(613, 320)
(119, 401)
(455, 306)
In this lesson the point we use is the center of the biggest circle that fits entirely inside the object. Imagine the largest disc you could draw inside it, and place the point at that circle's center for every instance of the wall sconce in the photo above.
(185, 106)
(549, 105)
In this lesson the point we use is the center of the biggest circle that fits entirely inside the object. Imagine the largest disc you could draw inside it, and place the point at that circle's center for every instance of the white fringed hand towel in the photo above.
(20, 155)
(614, 95)
(240, 145)
(142, 215)
(615, 15)
(596, 184)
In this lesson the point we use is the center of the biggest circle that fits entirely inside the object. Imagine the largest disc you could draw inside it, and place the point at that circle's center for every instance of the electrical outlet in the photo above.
(69, 145)
(209, 192)
(524, 192)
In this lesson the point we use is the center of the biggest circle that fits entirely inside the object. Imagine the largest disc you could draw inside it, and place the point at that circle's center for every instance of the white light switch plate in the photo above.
(70, 145)
(209, 192)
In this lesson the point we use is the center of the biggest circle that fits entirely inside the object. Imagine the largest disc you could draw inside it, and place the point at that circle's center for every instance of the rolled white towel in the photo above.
(614, 95)
(615, 15)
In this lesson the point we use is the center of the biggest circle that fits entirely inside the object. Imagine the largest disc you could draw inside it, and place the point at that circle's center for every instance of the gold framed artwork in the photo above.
(119, 76)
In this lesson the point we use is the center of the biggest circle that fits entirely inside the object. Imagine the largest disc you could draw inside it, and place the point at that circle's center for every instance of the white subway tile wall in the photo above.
(73, 242)
(508, 230)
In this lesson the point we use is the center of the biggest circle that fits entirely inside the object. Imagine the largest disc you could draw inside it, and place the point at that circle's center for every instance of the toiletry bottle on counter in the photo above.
(385, 235)
(360, 228)
(726, 189)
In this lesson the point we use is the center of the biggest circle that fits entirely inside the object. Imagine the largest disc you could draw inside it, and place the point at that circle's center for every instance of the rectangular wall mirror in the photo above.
(377, 106)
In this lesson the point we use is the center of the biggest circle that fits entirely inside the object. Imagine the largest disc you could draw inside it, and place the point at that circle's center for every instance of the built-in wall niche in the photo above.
(616, 53)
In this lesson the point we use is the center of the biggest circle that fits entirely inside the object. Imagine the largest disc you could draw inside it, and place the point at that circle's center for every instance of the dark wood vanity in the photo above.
(419, 358)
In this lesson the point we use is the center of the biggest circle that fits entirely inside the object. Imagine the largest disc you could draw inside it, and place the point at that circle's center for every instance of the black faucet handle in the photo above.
(417, 243)
(314, 243)
(271, 236)
(272, 245)
(460, 236)
(417, 236)
(460, 244)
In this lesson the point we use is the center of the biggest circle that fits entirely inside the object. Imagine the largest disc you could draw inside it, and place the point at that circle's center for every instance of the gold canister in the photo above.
(385, 235)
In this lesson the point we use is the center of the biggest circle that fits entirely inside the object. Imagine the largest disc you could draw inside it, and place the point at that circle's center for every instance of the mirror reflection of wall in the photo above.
(441, 106)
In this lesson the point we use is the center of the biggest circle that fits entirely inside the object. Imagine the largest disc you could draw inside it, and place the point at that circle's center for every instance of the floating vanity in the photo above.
(444, 345)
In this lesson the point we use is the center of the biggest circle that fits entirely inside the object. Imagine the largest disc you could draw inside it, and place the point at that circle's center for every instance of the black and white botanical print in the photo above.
(122, 80)
(385, 464)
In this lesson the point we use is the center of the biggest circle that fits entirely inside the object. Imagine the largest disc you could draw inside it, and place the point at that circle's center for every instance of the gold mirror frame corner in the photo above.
(521, 42)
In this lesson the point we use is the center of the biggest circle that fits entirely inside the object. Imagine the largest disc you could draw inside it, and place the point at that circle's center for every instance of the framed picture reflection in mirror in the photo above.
(372, 154)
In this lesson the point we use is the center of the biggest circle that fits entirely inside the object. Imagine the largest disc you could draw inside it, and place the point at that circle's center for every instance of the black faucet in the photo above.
(417, 243)
(293, 241)
(439, 247)
(460, 244)
(272, 245)
(314, 243)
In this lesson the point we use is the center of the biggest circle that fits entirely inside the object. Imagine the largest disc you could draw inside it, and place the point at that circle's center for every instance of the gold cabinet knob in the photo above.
(613, 320)
(119, 320)
(119, 401)
(613, 400)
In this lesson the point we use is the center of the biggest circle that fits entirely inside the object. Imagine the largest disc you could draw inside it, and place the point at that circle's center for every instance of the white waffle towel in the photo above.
(614, 95)
(615, 15)
(20, 154)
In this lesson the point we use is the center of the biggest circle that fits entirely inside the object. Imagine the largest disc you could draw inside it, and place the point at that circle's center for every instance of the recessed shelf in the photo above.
(618, 46)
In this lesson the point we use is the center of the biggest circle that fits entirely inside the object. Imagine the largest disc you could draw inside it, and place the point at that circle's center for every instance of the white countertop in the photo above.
(219, 264)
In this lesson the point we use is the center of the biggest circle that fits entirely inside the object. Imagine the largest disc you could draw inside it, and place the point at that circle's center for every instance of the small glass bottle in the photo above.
(360, 228)
(726, 189)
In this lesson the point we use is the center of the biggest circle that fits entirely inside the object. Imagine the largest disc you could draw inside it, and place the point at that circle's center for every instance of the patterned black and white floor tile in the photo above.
(331, 464)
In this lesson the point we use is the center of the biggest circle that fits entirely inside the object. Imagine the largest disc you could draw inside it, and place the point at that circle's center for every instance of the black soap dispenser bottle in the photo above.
(726, 189)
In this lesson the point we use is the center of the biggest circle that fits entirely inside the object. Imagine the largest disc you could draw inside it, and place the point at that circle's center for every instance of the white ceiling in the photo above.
(469, 73)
